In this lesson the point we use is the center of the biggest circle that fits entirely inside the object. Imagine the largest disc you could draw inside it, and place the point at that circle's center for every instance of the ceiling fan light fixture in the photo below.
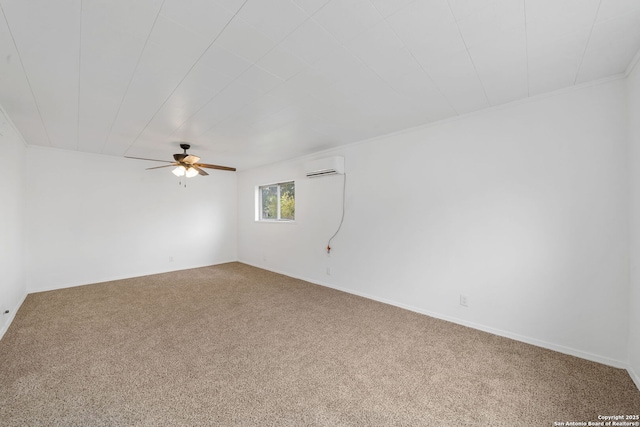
(191, 172)
(179, 171)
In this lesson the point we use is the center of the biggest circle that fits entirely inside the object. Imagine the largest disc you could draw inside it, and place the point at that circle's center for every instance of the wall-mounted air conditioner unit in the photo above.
(323, 167)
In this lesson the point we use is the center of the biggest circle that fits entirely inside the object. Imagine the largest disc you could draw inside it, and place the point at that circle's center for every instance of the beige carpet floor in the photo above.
(233, 345)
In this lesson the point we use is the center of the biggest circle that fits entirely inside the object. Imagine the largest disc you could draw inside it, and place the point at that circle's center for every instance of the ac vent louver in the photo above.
(324, 167)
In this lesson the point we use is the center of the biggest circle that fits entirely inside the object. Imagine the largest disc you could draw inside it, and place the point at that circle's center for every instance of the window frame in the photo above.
(259, 203)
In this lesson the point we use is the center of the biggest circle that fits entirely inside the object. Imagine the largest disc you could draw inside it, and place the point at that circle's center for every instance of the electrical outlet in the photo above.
(328, 271)
(464, 300)
(170, 259)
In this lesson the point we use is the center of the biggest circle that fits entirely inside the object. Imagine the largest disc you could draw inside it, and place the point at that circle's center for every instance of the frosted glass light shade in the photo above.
(191, 172)
(179, 171)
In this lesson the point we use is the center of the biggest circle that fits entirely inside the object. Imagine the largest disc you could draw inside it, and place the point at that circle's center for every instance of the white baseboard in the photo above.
(634, 376)
(12, 312)
(511, 335)
(120, 277)
(12, 315)
(533, 341)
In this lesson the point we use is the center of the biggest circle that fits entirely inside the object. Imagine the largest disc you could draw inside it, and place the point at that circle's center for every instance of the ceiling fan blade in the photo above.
(165, 166)
(191, 159)
(223, 168)
(200, 171)
(152, 160)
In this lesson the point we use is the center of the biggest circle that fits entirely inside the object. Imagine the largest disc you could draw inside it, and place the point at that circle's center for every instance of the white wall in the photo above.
(634, 158)
(523, 208)
(12, 226)
(94, 218)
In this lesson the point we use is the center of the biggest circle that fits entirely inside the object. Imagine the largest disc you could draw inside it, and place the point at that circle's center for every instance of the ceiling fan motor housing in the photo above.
(178, 157)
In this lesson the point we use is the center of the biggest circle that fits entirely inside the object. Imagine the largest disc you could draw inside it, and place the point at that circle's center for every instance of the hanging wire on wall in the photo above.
(344, 193)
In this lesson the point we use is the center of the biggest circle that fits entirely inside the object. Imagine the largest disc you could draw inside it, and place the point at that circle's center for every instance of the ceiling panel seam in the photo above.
(526, 47)
(79, 80)
(475, 69)
(185, 76)
(632, 64)
(450, 104)
(254, 64)
(586, 46)
(26, 75)
(133, 73)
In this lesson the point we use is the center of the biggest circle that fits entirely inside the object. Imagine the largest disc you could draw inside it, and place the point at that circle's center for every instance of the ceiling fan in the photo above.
(186, 164)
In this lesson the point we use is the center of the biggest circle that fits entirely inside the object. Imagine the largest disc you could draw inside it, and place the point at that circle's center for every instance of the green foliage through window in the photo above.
(277, 202)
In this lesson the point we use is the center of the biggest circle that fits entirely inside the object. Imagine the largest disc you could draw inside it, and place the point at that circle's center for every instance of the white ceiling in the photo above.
(252, 82)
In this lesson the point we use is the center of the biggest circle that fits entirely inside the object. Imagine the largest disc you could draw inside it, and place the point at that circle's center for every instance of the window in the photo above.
(277, 202)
